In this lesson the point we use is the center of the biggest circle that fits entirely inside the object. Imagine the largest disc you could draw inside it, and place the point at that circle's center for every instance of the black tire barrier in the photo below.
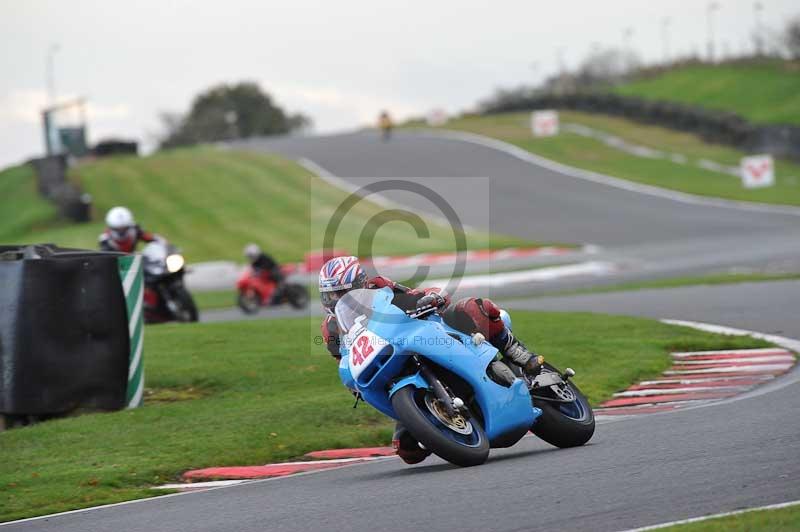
(51, 173)
(115, 147)
(52, 183)
(64, 341)
(711, 125)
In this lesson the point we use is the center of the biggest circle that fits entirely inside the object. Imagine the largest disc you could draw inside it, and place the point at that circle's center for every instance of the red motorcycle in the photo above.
(263, 289)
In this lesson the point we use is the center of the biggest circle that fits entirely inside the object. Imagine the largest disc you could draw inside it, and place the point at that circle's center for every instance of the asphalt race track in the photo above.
(635, 471)
(646, 236)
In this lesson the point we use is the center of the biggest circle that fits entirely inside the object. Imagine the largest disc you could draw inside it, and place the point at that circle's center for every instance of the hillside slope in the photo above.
(592, 154)
(767, 92)
(211, 202)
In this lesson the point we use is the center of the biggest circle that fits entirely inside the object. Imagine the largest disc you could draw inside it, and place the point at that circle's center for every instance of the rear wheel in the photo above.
(563, 423)
(457, 439)
(297, 295)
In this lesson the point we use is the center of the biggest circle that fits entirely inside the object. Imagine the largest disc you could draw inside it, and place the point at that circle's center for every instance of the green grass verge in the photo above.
(211, 202)
(259, 392)
(213, 299)
(21, 207)
(713, 279)
(762, 92)
(591, 154)
(779, 520)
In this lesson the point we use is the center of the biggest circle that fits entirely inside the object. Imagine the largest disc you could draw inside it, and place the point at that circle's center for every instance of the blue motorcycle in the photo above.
(433, 378)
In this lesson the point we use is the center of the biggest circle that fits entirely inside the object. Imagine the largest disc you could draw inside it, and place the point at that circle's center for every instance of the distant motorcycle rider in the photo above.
(122, 233)
(385, 124)
(469, 315)
(263, 265)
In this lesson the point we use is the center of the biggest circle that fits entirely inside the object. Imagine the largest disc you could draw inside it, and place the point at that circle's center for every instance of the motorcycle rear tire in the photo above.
(409, 412)
(560, 430)
(297, 295)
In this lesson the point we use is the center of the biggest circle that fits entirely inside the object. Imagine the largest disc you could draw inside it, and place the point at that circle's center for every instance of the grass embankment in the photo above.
(211, 202)
(778, 520)
(592, 154)
(766, 92)
(256, 392)
(21, 208)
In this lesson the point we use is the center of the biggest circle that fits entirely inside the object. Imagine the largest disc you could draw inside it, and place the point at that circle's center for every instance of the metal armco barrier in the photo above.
(70, 331)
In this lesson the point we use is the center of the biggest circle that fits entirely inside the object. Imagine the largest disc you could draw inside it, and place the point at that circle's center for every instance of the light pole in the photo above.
(561, 68)
(758, 8)
(627, 33)
(534, 66)
(560, 60)
(665, 22)
(49, 74)
(712, 7)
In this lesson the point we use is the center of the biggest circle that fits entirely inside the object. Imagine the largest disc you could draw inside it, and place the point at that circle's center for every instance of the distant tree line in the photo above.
(791, 38)
(228, 112)
(603, 68)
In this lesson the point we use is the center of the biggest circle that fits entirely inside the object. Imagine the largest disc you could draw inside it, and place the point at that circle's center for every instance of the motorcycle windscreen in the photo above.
(355, 309)
(368, 308)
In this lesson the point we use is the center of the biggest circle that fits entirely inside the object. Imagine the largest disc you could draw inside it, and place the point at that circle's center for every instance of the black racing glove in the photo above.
(427, 304)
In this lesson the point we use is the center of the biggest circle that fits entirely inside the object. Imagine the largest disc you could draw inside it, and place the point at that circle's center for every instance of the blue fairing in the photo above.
(504, 410)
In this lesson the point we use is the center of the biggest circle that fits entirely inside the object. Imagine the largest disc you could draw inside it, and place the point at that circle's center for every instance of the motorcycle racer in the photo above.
(263, 265)
(122, 233)
(469, 315)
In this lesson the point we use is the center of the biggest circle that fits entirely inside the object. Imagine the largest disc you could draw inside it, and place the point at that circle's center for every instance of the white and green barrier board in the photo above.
(130, 273)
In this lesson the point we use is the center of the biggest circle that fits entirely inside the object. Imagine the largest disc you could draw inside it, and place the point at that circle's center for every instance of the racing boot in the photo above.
(516, 352)
(500, 373)
(407, 447)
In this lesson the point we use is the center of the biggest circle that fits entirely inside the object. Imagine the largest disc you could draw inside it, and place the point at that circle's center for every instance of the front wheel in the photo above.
(458, 440)
(563, 424)
(248, 301)
(187, 310)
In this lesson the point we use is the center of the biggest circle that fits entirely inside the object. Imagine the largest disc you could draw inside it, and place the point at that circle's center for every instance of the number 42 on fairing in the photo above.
(364, 348)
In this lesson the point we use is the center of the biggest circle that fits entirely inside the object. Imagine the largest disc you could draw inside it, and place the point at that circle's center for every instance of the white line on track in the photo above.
(745, 352)
(715, 516)
(693, 380)
(336, 181)
(595, 177)
(788, 343)
(591, 268)
(200, 485)
(733, 361)
(188, 493)
(730, 369)
(792, 344)
(672, 391)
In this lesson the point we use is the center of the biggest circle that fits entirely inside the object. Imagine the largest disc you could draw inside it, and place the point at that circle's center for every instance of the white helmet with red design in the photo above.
(121, 225)
(337, 277)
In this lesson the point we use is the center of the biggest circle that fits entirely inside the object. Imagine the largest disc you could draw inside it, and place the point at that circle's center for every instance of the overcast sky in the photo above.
(339, 62)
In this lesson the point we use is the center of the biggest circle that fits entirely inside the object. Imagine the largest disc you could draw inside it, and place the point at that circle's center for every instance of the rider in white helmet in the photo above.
(262, 264)
(122, 233)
